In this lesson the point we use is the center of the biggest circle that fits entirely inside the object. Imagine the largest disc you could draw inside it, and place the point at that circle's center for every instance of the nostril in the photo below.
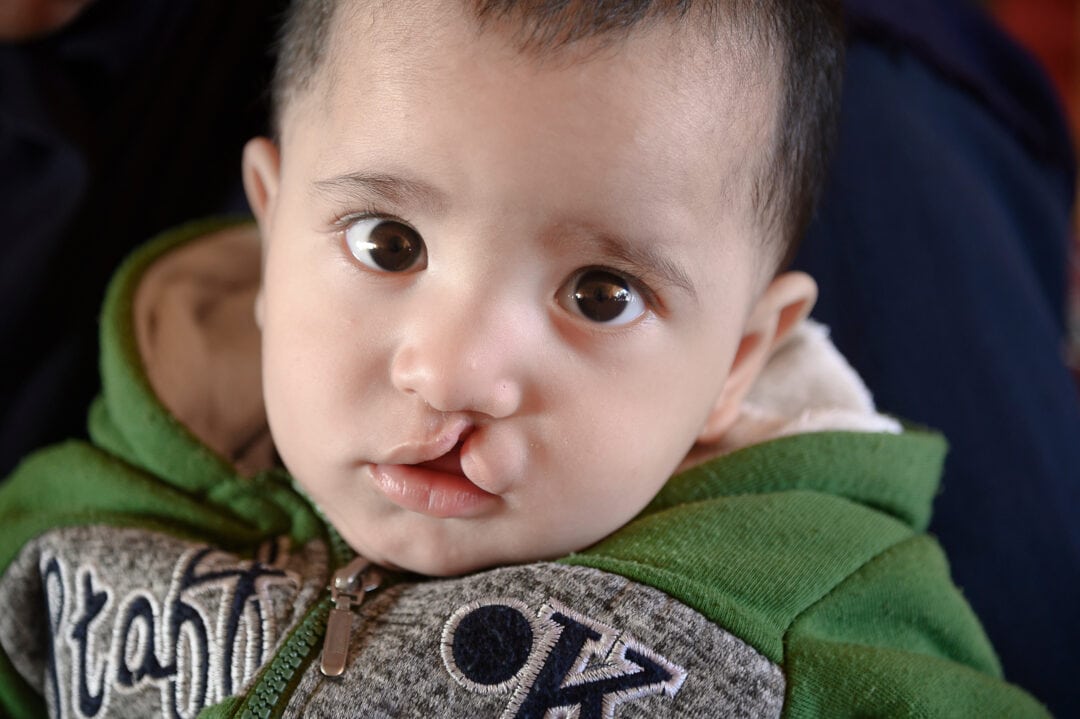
(407, 373)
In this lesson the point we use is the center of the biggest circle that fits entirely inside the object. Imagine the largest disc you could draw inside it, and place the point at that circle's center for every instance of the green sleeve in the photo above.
(896, 639)
(17, 699)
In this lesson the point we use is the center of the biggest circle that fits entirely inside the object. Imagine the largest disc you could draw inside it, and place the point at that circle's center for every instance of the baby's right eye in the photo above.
(386, 245)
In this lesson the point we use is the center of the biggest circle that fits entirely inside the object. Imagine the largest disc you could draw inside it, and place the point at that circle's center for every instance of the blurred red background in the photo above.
(1051, 30)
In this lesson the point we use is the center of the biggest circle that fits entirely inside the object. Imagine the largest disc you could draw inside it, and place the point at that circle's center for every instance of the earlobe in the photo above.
(785, 303)
(260, 304)
(261, 169)
(261, 173)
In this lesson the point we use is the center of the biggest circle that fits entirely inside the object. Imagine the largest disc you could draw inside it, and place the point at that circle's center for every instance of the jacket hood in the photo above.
(180, 357)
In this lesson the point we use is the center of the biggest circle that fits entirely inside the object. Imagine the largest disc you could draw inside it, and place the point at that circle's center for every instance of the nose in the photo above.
(457, 358)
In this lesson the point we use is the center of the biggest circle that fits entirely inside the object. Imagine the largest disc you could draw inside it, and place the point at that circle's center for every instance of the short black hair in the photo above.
(806, 36)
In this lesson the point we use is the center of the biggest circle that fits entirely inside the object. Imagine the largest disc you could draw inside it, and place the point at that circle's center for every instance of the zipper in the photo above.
(347, 590)
(330, 620)
(265, 696)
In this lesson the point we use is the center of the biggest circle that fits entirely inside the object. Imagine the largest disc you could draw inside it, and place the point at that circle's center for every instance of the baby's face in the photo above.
(501, 295)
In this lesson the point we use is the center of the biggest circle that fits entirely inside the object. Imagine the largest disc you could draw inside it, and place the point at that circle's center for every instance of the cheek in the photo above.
(313, 316)
(635, 428)
(295, 403)
(314, 363)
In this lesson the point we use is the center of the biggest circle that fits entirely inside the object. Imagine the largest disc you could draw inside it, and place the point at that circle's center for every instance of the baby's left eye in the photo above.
(602, 297)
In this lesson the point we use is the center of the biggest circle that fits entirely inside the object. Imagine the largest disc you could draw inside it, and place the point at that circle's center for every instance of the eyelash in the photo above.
(343, 220)
(640, 286)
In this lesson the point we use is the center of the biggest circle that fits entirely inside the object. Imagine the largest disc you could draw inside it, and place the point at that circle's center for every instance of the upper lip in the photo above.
(443, 440)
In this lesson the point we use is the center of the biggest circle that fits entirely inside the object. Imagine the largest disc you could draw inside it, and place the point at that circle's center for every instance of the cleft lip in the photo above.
(448, 462)
(446, 441)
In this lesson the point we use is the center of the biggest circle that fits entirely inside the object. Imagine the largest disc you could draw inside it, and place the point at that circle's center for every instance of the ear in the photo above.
(785, 303)
(261, 169)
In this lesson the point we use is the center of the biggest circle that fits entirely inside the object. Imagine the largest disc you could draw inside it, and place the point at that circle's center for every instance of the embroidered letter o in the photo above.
(486, 645)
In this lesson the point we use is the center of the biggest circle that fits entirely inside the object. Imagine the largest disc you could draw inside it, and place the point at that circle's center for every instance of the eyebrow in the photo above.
(652, 262)
(389, 189)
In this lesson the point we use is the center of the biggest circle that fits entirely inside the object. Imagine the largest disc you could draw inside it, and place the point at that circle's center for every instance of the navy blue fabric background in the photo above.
(127, 122)
(940, 249)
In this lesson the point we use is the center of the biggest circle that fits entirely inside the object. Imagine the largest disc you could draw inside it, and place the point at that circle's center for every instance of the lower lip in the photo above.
(429, 492)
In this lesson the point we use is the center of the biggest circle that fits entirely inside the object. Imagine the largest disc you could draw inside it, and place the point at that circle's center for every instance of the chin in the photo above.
(438, 566)
(408, 559)
(442, 564)
(447, 555)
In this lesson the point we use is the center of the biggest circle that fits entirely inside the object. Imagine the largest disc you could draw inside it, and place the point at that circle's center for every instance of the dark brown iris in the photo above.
(602, 296)
(393, 246)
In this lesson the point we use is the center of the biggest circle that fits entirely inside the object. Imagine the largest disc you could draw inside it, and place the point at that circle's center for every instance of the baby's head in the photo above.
(521, 257)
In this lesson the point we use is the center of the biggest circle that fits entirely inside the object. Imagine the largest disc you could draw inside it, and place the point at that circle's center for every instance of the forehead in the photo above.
(726, 66)
(678, 111)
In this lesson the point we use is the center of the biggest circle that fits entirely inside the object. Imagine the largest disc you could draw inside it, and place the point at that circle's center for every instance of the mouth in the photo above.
(435, 487)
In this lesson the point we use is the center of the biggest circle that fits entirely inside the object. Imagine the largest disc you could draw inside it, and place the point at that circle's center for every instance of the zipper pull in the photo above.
(347, 590)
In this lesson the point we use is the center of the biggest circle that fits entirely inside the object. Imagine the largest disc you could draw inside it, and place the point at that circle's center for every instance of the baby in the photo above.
(522, 327)
(513, 275)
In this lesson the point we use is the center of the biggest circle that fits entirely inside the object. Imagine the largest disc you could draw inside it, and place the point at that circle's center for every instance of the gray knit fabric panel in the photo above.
(110, 622)
(496, 645)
